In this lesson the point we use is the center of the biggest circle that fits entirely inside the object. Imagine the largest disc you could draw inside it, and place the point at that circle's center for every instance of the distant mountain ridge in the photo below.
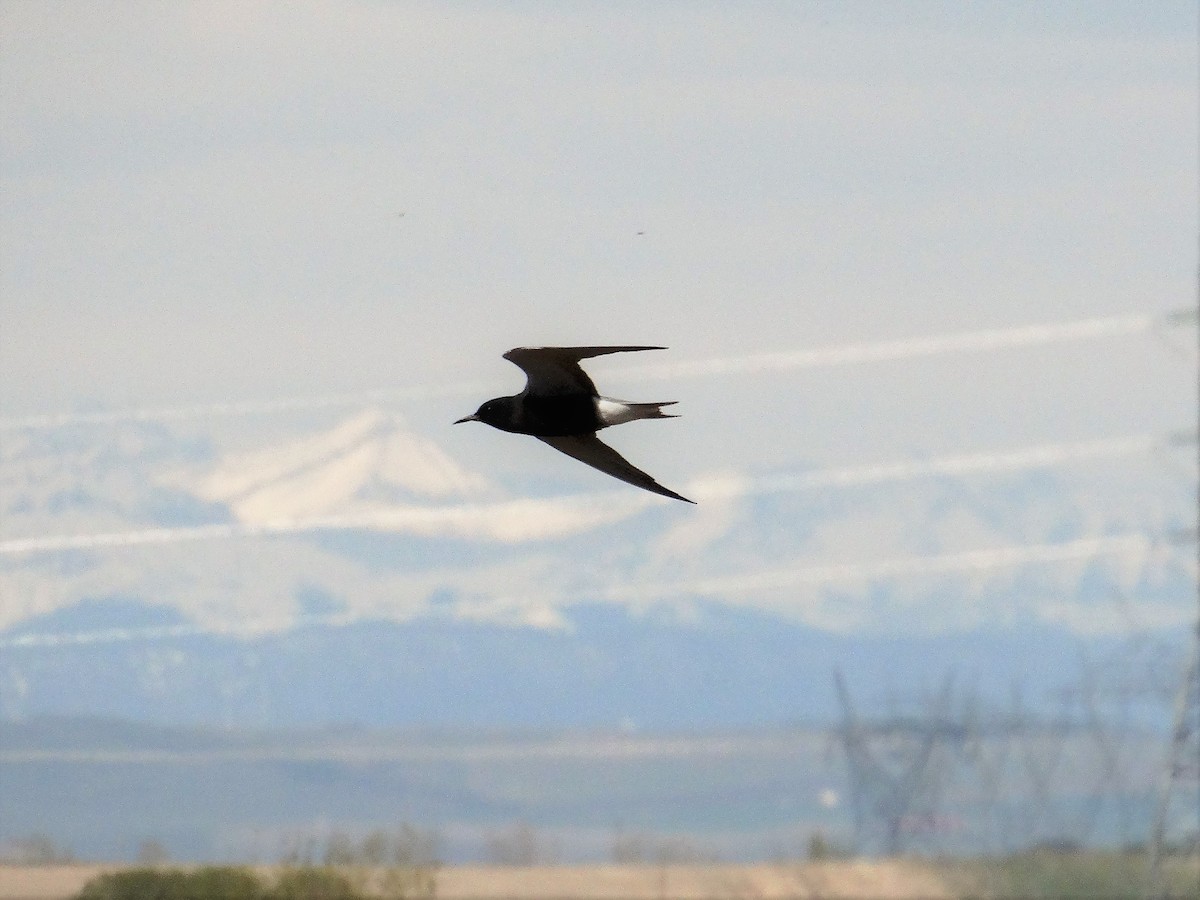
(718, 668)
(414, 588)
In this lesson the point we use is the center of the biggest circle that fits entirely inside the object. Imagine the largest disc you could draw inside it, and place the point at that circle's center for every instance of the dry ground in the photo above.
(893, 880)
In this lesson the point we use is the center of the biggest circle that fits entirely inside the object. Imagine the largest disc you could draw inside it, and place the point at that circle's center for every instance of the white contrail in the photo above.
(399, 517)
(241, 408)
(1039, 457)
(246, 628)
(460, 515)
(754, 363)
(459, 520)
(1137, 545)
(880, 351)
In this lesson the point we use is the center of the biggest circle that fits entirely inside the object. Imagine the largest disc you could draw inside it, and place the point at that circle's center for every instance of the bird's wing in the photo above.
(588, 448)
(555, 370)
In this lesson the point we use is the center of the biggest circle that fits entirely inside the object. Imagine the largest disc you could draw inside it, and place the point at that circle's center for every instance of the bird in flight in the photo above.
(561, 406)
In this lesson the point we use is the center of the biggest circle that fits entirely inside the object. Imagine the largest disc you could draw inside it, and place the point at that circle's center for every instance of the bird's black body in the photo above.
(557, 416)
(560, 406)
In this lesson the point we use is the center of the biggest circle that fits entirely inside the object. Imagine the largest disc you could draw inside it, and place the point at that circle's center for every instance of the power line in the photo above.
(979, 341)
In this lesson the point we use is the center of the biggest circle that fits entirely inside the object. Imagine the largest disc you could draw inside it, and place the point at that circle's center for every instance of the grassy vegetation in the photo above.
(394, 865)
(233, 883)
(1035, 875)
(1091, 875)
(313, 884)
(214, 882)
(383, 865)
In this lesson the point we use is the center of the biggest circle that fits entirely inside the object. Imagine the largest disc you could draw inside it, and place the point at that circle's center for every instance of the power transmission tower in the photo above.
(1180, 776)
(897, 774)
(1181, 762)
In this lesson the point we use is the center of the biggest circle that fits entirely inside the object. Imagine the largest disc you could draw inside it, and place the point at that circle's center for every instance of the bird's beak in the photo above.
(470, 418)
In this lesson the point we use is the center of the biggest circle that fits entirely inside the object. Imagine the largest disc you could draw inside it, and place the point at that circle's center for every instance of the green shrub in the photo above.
(1076, 875)
(226, 883)
(312, 883)
(208, 883)
(399, 864)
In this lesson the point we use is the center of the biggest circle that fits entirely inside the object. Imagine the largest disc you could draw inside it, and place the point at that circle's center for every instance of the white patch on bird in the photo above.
(615, 412)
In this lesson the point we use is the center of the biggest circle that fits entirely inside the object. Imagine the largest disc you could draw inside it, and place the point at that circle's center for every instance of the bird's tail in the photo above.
(615, 412)
(653, 410)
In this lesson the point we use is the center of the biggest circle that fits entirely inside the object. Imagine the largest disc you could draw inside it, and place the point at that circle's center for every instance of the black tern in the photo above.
(561, 406)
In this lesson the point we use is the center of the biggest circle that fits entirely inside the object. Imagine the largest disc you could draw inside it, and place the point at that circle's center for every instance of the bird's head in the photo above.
(498, 413)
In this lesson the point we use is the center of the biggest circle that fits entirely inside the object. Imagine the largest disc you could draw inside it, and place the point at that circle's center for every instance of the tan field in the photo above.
(892, 880)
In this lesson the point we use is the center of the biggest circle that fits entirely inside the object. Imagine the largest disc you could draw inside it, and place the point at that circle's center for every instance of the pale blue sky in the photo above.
(203, 202)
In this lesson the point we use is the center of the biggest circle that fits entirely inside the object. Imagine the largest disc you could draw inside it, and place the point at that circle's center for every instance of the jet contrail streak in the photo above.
(248, 628)
(242, 408)
(845, 354)
(457, 517)
(226, 530)
(971, 561)
(880, 351)
(1044, 456)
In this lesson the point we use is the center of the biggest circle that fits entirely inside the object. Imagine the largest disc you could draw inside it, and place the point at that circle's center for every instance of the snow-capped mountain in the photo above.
(367, 463)
(79, 508)
(365, 521)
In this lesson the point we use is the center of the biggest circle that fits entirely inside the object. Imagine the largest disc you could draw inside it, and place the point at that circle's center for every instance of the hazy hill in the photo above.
(353, 571)
(720, 668)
